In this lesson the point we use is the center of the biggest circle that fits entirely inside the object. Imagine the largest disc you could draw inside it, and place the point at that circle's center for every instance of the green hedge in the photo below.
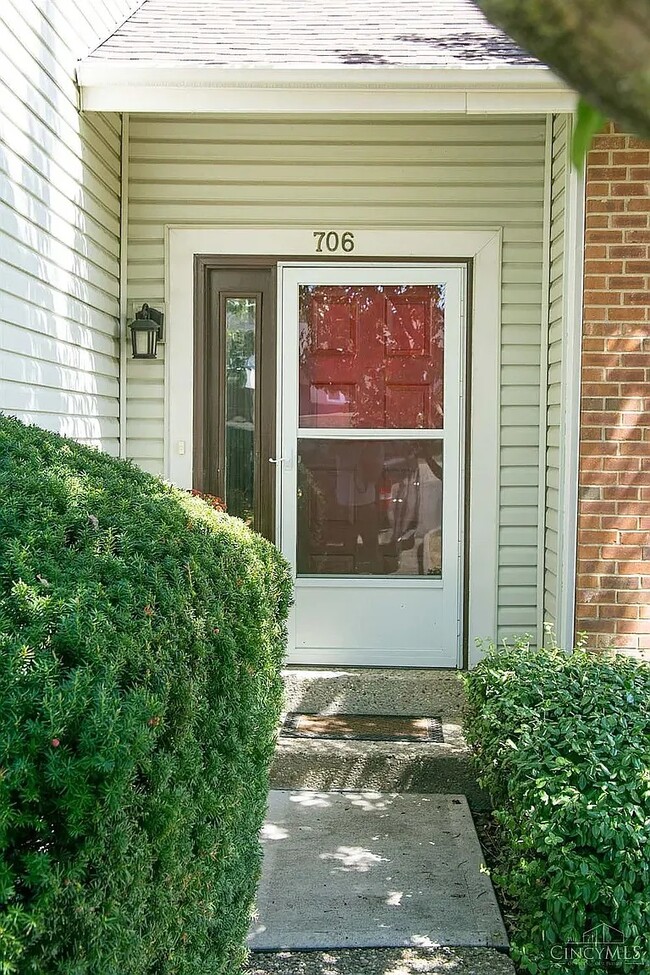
(563, 746)
(141, 639)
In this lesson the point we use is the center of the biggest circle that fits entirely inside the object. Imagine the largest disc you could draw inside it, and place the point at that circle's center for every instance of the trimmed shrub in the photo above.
(141, 638)
(563, 745)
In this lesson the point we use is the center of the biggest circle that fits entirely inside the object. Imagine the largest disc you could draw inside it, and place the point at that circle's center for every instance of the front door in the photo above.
(369, 472)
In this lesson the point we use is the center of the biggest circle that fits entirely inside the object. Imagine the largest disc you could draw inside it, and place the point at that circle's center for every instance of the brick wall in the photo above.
(613, 584)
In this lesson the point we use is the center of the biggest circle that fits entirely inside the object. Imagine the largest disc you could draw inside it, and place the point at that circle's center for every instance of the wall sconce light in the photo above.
(146, 332)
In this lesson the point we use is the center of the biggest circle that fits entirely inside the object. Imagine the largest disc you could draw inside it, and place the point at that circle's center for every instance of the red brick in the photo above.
(627, 314)
(600, 189)
(622, 433)
(614, 583)
(599, 450)
(597, 221)
(595, 345)
(597, 281)
(632, 626)
(623, 404)
(597, 314)
(591, 433)
(625, 250)
(617, 463)
(622, 522)
(618, 611)
(627, 597)
(638, 205)
(636, 298)
(624, 345)
(605, 205)
(604, 236)
(636, 236)
(637, 478)
(592, 403)
(600, 158)
(603, 267)
(634, 449)
(618, 552)
(630, 158)
(598, 536)
(626, 282)
(600, 389)
(629, 220)
(626, 375)
(597, 251)
(629, 188)
(595, 172)
(602, 298)
(613, 141)
(636, 538)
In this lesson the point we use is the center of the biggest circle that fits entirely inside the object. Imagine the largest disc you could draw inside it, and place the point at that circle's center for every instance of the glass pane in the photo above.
(371, 357)
(241, 316)
(369, 507)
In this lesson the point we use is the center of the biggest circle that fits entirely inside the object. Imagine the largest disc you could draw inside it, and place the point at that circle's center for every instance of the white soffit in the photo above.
(125, 86)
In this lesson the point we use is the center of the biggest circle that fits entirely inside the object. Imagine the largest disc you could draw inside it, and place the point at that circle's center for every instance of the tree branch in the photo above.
(601, 48)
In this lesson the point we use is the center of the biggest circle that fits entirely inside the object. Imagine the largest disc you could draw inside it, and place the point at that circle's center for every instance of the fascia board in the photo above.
(96, 72)
(125, 87)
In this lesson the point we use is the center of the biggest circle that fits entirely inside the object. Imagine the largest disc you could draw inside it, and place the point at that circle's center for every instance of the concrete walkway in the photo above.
(371, 869)
(370, 875)
(382, 961)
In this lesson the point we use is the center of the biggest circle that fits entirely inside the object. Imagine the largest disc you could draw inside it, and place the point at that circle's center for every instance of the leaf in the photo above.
(589, 121)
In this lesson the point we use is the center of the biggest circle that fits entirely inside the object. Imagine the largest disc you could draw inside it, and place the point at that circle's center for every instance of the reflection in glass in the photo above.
(369, 507)
(241, 316)
(371, 356)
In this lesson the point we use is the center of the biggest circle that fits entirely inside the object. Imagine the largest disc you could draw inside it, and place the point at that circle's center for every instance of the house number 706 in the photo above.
(330, 241)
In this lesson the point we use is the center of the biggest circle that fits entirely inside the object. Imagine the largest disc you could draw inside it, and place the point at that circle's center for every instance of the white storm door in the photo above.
(369, 472)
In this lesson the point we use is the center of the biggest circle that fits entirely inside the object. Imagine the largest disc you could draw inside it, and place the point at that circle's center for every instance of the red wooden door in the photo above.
(371, 357)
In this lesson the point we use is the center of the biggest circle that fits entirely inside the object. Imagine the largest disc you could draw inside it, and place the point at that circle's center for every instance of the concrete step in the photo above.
(366, 690)
(431, 767)
(382, 961)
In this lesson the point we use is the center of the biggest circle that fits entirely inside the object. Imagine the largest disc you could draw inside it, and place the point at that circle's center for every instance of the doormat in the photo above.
(363, 727)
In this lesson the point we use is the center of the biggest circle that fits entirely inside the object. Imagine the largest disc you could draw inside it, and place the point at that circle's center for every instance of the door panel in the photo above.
(369, 507)
(371, 417)
(371, 357)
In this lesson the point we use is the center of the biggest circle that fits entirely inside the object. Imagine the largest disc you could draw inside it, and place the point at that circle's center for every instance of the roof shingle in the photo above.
(311, 33)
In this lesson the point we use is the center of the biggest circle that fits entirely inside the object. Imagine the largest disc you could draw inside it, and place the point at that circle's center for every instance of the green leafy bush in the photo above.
(563, 745)
(141, 639)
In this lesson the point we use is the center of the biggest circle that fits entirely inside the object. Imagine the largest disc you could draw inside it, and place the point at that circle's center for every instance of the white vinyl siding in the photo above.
(59, 224)
(559, 171)
(346, 173)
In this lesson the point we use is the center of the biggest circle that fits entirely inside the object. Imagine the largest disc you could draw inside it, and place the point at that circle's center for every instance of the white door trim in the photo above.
(482, 247)
(574, 251)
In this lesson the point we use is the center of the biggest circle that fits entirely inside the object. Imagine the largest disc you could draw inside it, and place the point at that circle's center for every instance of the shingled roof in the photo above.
(310, 34)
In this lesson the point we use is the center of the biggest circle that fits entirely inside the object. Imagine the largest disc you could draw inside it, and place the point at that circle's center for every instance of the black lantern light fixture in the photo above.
(146, 332)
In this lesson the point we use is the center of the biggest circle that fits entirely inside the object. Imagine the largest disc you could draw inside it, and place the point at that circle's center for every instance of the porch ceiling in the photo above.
(304, 56)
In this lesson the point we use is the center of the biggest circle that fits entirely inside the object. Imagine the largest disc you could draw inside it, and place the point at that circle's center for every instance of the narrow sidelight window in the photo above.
(234, 404)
